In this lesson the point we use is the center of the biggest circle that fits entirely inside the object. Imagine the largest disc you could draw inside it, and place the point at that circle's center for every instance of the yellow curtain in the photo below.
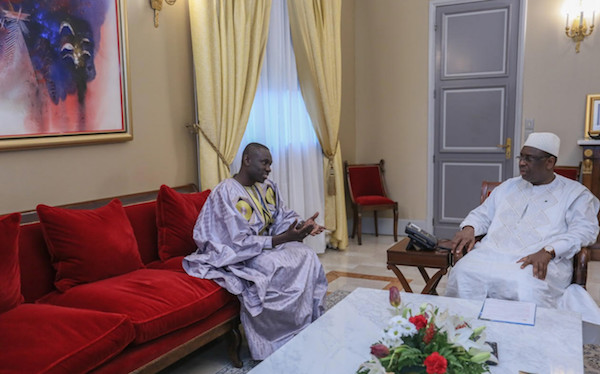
(228, 45)
(315, 27)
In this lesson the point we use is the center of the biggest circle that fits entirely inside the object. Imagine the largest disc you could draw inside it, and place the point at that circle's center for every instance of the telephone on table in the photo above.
(421, 240)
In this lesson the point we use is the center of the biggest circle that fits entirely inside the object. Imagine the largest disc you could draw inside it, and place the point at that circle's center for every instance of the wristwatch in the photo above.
(550, 250)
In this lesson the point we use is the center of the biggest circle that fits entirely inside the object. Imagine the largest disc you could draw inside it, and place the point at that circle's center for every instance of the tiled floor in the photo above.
(368, 259)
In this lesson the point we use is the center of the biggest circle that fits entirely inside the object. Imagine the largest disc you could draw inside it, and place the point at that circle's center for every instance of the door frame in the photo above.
(433, 4)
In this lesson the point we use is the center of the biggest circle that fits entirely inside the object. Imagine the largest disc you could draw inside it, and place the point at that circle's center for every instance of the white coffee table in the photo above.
(340, 340)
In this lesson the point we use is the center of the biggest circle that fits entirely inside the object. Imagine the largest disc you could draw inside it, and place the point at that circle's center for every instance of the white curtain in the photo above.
(279, 120)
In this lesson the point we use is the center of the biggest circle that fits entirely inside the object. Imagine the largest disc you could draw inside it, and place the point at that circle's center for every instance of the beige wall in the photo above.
(162, 150)
(347, 115)
(391, 78)
(556, 79)
(391, 96)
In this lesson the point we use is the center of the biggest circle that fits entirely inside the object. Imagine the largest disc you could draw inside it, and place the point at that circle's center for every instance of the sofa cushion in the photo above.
(10, 276)
(89, 245)
(176, 215)
(373, 200)
(174, 264)
(37, 273)
(51, 339)
(143, 221)
(174, 344)
(156, 301)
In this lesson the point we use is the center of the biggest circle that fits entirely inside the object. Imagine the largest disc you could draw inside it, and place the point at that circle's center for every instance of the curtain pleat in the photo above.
(315, 27)
(228, 47)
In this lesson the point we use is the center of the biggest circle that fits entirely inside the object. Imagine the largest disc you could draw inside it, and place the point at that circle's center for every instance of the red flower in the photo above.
(419, 321)
(380, 350)
(429, 333)
(436, 364)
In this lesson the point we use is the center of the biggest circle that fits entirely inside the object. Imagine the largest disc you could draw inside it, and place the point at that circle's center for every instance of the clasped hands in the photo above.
(465, 240)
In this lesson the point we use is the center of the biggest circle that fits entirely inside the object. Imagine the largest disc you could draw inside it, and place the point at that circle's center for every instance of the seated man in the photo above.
(251, 244)
(533, 224)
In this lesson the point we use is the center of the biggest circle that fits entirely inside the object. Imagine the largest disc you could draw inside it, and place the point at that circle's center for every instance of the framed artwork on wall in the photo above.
(64, 73)
(592, 117)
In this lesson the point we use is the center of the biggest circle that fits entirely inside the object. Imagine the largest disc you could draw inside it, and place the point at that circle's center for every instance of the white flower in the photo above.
(393, 337)
(397, 327)
(373, 366)
(402, 325)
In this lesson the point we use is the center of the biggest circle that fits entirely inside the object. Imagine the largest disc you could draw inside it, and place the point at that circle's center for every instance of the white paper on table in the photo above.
(509, 311)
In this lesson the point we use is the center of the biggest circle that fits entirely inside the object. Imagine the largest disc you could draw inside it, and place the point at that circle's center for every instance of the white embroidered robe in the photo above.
(519, 219)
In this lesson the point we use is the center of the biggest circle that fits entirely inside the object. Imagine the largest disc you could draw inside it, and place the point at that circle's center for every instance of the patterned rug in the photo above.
(591, 358)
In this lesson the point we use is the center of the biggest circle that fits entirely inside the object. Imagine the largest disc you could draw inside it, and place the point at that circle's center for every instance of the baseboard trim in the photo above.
(385, 225)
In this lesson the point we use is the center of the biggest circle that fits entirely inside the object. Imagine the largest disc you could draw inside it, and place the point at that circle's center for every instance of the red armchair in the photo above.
(367, 193)
(571, 172)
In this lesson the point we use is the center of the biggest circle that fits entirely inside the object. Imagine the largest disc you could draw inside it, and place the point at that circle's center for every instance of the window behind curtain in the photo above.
(279, 120)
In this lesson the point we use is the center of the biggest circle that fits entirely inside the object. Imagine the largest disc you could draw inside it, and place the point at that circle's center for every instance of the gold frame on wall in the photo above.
(100, 112)
(592, 116)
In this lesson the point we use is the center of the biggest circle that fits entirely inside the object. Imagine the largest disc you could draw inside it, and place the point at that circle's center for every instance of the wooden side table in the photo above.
(398, 255)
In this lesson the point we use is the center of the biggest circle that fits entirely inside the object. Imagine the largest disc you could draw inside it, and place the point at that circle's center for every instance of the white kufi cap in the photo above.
(545, 141)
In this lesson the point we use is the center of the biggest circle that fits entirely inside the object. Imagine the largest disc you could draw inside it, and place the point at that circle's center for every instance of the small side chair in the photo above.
(367, 193)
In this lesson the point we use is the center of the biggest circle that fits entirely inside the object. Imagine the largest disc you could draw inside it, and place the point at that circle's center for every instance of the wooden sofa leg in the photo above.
(235, 342)
(375, 218)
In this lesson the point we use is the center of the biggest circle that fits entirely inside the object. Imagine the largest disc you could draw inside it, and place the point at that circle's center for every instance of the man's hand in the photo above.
(539, 260)
(294, 233)
(463, 239)
(317, 229)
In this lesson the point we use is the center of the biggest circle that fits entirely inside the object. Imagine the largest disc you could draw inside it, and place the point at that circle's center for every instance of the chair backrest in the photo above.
(365, 179)
(486, 189)
(571, 172)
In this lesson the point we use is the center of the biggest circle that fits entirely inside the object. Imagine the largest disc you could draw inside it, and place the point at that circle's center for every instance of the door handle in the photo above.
(507, 148)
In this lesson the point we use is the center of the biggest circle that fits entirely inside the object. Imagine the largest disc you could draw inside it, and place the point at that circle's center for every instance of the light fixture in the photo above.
(582, 14)
(157, 6)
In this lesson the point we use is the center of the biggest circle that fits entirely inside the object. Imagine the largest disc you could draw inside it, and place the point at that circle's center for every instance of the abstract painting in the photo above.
(63, 73)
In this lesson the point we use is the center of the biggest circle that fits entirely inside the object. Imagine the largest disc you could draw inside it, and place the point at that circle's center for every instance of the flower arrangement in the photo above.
(429, 341)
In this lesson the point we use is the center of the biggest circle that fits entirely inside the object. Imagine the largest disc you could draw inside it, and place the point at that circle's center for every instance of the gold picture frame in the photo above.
(592, 117)
(75, 88)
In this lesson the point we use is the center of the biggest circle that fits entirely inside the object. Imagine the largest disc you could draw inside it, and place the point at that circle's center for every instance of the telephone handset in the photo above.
(419, 238)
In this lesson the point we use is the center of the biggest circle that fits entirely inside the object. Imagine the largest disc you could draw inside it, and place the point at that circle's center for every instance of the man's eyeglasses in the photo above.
(529, 158)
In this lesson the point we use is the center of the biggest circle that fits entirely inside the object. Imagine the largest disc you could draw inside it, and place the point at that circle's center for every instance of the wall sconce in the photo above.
(583, 14)
(157, 6)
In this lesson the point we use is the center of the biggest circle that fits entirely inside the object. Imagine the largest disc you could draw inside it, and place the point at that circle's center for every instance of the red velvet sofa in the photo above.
(98, 287)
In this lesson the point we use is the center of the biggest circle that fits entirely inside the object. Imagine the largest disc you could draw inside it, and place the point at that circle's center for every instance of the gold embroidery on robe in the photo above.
(244, 208)
(270, 196)
(259, 200)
